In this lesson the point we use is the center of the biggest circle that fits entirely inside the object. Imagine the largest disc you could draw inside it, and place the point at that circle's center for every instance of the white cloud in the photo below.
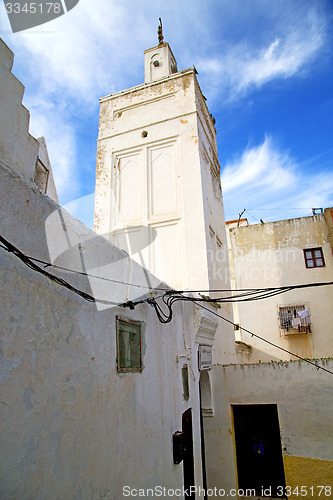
(314, 191)
(263, 166)
(283, 58)
(264, 176)
(83, 52)
(244, 66)
(97, 48)
(67, 65)
(93, 49)
(48, 120)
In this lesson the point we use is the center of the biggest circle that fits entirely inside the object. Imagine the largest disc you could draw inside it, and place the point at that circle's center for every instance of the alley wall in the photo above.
(303, 396)
(71, 426)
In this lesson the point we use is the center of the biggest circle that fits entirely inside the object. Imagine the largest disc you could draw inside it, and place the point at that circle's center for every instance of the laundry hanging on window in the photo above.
(296, 322)
(303, 314)
(286, 319)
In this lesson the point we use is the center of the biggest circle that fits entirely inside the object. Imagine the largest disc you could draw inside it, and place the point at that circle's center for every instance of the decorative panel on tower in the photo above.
(127, 188)
(166, 253)
(163, 177)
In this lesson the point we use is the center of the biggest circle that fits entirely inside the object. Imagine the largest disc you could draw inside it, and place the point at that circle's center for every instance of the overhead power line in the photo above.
(240, 295)
(282, 209)
(75, 271)
(318, 367)
(166, 318)
(251, 294)
(170, 297)
(60, 281)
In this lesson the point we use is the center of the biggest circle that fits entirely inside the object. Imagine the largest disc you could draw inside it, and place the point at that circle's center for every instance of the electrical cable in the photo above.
(66, 269)
(60, 281)
(245, 294)
(253, 217)
(267, 341)
(282, 209)
(168, 298)
(172, 298)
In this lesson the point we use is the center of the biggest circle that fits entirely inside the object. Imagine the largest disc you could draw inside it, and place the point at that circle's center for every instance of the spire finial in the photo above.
(160, 32)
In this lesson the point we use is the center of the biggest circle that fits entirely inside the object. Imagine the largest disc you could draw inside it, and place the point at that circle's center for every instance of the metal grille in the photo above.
(294, 319)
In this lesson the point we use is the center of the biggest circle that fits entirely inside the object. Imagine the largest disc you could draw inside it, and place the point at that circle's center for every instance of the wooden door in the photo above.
(188, 459)
(258, 449)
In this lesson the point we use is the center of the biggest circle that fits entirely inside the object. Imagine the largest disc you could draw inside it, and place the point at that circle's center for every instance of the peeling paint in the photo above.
(272, 255)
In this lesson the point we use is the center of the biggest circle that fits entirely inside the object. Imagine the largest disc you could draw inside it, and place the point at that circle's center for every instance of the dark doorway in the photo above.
(258, 449)
(188, 460)
(203, 451)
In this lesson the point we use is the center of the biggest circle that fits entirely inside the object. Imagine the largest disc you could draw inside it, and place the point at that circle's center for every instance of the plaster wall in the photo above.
(158, 191)
(159, 62)
(71, 426)
(18, 149)
(170, 201)
(217, 258)
(43, 155)
(166, 178)
(271, 255)
(303, 396)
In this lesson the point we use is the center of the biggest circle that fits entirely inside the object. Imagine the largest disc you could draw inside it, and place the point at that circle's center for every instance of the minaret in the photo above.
(158, 192)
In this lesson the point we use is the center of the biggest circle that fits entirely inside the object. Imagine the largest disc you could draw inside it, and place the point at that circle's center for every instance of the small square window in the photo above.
(129, 353)
(41, 176)
(314, 257)
(186, 389)
(294, 319)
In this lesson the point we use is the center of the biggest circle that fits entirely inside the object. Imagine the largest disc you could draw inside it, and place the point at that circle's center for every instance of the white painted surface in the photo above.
(157, 179)
(71, 426)
(172, 201)
(303, 397)
(43, 155)
(159, 62)
(18, 149)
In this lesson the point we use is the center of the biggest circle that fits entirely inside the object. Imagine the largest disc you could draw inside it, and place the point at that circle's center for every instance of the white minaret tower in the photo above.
(158, 192)
(158, 196)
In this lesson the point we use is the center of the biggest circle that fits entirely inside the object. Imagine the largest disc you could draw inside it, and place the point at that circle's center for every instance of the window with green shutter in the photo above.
(186, 389)
(129, 345)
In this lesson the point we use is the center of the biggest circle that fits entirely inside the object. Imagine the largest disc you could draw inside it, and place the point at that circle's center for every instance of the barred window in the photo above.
(294, 319)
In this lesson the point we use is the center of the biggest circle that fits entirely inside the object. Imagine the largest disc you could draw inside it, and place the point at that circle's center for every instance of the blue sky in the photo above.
(265, 67)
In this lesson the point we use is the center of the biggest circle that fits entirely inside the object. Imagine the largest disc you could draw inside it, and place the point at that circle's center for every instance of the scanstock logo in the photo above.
(24, 15)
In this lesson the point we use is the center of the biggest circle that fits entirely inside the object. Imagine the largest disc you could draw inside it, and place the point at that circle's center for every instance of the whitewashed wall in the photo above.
(19, 150)
(71, 426)
(303, 396)
(157, 183)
